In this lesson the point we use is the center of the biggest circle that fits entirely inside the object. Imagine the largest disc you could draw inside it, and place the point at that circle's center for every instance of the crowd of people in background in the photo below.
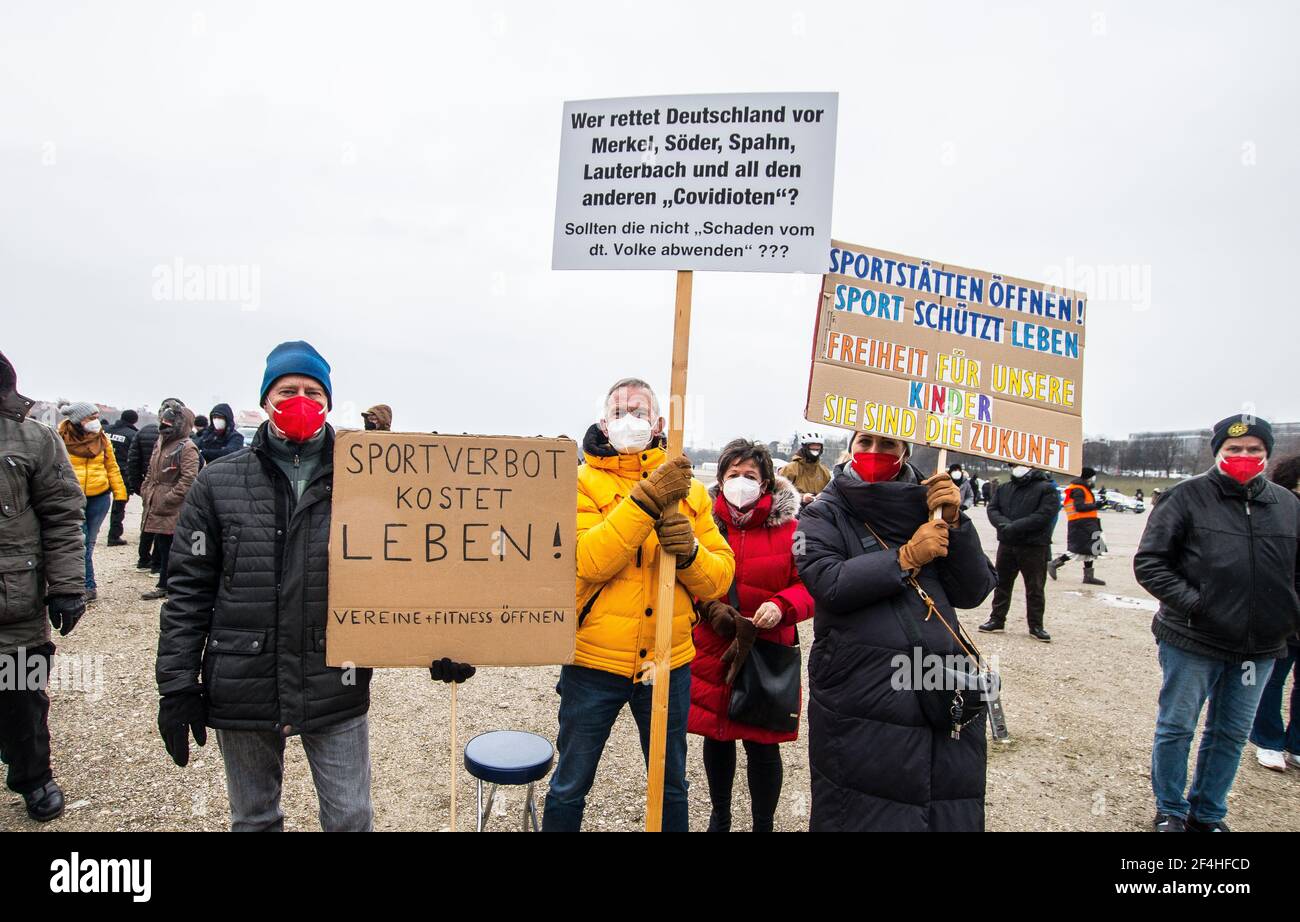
(878, 555)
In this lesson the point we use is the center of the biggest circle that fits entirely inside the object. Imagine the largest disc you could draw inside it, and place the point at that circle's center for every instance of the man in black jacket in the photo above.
(121, 434)
(42, 583)
(242, 642)
(1024, 512)
(221, 438)
(1219, 552)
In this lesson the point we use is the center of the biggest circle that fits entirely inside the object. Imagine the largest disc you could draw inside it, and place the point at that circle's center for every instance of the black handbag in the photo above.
(768, 689)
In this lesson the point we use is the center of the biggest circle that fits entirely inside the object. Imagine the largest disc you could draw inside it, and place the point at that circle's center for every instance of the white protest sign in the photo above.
(734, 182)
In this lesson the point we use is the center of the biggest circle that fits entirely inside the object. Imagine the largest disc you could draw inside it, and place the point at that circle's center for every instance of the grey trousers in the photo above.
(339, 757)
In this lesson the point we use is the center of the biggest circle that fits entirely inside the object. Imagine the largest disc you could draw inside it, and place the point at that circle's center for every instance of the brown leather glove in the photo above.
(666, 486)
(735, 655)
(942, 492)
(676, 536)
(929, 541)
(721, 617)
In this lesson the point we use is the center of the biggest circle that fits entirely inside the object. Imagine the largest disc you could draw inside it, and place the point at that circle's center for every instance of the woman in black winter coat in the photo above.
(877, 764)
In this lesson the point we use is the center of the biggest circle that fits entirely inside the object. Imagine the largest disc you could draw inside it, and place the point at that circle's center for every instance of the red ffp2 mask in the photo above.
(875, 466)
(299, 418)
(1242, 468)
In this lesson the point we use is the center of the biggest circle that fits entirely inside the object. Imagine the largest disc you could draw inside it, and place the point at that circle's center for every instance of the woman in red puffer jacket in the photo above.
(756, 511)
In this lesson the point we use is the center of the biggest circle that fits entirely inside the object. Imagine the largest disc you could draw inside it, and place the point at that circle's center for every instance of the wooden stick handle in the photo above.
(454, 773)
(943, 463)
(667, 582)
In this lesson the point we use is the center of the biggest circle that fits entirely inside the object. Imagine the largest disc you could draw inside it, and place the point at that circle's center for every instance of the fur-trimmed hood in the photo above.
(785, 501)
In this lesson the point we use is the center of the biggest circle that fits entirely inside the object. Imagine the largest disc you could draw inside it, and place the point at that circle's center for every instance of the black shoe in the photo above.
(117, 542)
(45, 803)
(992, 627)
(719, 822)
(142, 565)
(154, 594)
(90, 595)
(1039, 634)
(1195, 825)
(1090, 580)
(1052, 566)
(1167, 822)
(155, 570)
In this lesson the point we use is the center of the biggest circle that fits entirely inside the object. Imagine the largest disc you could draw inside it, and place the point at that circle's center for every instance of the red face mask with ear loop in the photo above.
(877, 466)
(299, 418)
(1242, 468)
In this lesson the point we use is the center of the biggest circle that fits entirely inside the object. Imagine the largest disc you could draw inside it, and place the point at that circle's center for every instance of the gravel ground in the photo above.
(1081, 712)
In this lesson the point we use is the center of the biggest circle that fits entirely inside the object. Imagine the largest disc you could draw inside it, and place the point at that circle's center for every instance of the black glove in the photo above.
(178, 716)
(66, 611)
(444, 670)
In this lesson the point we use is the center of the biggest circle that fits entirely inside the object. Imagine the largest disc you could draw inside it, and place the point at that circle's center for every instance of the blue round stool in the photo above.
(508, 757)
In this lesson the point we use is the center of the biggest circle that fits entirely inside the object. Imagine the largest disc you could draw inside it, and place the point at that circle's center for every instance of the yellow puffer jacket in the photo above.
(100, 473)
(618, 573)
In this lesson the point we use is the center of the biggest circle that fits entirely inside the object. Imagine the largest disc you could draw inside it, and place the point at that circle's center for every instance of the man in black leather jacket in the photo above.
(1219, 553)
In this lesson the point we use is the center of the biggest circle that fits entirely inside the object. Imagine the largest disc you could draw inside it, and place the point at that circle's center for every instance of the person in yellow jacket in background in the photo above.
(95, 465)
(631, 501)
(806, 470)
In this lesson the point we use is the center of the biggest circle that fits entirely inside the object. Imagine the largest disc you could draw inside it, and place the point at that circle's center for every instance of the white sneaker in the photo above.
(1293, 760)
(1272, 758)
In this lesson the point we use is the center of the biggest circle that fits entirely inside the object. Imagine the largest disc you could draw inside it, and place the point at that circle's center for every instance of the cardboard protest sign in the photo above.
(456, 546)
(738, 182)
(957, 358)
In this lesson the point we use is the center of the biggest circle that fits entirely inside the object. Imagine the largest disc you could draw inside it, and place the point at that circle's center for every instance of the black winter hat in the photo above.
(1238, 425)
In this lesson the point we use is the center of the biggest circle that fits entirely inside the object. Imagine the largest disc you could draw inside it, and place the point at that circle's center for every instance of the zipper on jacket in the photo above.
(1250, 616)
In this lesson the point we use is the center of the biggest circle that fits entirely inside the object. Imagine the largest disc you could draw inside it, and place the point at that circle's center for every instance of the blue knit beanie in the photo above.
(297, 358)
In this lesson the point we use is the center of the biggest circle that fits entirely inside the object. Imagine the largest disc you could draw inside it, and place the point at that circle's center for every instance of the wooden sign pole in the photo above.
(939, 469)
(654, 800)
(453, 757)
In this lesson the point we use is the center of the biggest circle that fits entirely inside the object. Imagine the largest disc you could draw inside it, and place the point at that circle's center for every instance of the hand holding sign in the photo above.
(942, 493)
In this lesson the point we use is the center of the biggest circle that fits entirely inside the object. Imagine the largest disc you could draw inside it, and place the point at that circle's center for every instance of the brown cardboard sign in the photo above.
(456, 546)
(962, 359)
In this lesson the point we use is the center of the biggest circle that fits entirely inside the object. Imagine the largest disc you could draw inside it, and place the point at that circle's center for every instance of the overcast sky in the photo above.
(389, 173)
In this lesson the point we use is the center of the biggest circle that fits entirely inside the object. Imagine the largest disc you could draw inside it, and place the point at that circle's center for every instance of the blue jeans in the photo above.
(1233, 693)
(1269, 733)
(339, 757)
(97, 509)
(590, 702)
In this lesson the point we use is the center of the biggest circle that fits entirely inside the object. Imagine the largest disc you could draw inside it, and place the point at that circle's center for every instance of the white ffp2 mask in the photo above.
(628, 434)
(741, 492)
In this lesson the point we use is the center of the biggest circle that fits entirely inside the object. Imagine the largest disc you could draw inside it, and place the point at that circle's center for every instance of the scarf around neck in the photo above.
(81, 443)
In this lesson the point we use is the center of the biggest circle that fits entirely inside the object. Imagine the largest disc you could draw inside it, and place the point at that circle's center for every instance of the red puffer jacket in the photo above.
(765, 571)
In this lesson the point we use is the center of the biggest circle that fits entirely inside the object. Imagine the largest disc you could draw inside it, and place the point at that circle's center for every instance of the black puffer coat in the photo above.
(1025, 511)
(255, 595)
(876, 763)
(1222, 560)
(138, 455)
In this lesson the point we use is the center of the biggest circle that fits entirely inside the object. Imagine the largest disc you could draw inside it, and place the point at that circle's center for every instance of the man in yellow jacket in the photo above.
(631, 502)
